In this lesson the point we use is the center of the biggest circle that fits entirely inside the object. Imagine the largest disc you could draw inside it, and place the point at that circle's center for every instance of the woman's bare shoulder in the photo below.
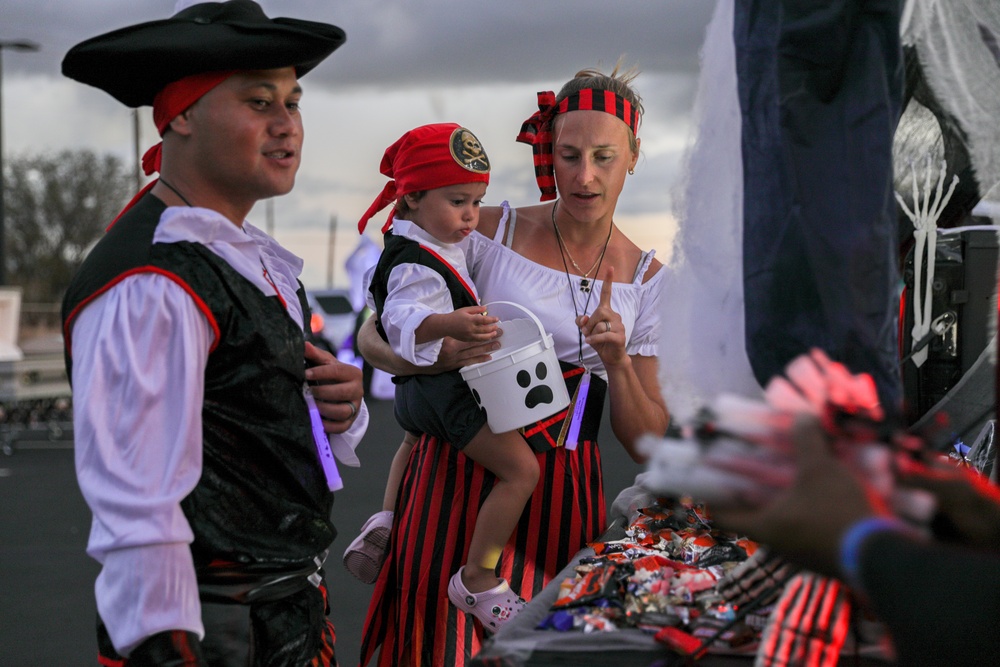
(534, 213)
(651, 271)
(527, 216)
(489, 220)
(636, 254)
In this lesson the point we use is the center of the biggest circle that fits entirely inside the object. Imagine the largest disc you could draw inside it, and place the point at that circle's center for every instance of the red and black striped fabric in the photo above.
(537, 130)
(410, 616)
(327, 656)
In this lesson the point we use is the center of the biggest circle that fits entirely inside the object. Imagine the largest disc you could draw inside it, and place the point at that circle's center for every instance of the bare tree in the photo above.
(57, 207)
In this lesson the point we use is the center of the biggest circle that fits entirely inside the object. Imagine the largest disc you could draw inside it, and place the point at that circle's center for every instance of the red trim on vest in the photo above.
(132, 202)
(453, 270)
(202, 306)
(109, 662)
(267, 277)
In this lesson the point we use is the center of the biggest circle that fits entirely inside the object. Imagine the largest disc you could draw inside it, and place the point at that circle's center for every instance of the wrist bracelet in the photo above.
(855, 537)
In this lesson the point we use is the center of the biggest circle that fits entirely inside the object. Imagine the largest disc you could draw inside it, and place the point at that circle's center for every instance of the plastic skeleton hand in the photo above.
(739, 449)
(824, 388)
(924, 215)
(762, 574)
(810, 621)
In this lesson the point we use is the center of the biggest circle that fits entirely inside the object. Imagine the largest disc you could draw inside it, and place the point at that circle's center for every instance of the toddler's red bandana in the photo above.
(426, 158)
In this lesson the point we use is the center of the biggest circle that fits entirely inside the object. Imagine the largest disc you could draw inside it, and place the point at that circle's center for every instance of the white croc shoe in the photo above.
(494, 607)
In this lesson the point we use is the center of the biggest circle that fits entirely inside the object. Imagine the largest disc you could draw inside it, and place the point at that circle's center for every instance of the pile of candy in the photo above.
(665, 573)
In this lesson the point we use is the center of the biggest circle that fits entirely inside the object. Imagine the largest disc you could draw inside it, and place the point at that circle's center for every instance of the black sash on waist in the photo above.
(242, 584)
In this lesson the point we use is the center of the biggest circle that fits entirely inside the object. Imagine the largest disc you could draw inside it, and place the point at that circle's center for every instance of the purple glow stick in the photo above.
(572, 438)
(333, 480)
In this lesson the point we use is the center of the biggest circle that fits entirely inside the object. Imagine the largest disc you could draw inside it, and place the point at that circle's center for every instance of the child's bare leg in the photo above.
(367, 552)
(513, 463)
(396, 470)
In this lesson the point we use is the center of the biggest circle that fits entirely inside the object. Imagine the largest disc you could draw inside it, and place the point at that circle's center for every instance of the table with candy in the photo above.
(663, 578)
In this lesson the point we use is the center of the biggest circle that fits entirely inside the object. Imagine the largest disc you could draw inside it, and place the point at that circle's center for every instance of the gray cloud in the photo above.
(413, 43)
(512, 40)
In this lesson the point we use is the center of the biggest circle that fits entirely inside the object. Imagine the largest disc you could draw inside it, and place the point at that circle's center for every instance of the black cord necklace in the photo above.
(176, 192)
(263, 266)
(585, 285)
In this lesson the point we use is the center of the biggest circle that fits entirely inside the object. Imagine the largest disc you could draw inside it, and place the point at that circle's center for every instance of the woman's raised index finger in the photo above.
(607, 286)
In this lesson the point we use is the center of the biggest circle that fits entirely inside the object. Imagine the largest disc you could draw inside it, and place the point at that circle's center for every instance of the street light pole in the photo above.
(137, 167)
(19, 45)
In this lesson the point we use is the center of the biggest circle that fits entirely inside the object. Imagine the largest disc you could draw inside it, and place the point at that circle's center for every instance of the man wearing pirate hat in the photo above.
(204, 446)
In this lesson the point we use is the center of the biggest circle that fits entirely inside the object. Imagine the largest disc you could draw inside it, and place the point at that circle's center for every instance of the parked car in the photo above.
(333, 317)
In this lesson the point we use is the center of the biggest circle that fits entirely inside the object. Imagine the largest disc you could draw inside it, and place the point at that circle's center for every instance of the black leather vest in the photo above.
(401, 250)
(262, 500)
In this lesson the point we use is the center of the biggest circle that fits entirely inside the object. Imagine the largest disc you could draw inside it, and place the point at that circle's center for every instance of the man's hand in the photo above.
(968, 505)
(806, 522)
(337, 388)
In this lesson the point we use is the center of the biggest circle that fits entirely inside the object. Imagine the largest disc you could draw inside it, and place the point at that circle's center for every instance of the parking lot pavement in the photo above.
(47, 610)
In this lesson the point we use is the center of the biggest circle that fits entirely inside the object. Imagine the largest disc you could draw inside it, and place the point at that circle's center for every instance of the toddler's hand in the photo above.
(472, 324)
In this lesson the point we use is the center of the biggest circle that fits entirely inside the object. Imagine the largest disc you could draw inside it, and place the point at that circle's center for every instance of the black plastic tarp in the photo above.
(820, 90)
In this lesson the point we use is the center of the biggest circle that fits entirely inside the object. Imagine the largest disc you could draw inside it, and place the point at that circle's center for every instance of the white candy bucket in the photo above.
(522, 383)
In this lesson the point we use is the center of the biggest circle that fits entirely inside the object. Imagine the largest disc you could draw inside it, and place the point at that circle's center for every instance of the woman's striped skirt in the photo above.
(410, 617)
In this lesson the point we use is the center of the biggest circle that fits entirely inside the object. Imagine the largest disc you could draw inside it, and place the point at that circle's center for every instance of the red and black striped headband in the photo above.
(537, 130)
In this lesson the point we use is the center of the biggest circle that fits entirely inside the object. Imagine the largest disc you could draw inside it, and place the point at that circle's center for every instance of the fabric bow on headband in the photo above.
(537, 130)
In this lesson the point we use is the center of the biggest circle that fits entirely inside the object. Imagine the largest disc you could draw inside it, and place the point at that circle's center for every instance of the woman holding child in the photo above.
(547, 257)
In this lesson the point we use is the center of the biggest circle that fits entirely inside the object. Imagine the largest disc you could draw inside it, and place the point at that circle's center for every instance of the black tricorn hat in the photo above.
(134, 63)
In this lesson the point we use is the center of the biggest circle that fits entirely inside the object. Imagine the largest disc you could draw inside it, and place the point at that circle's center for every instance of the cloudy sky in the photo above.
(406, 62)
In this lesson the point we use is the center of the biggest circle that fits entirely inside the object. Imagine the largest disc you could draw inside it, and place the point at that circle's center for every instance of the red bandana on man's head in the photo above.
(537, 130)
(172, 101)
(169, 103)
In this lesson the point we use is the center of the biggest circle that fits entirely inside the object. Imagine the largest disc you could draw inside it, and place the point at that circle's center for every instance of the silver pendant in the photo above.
(585, 285)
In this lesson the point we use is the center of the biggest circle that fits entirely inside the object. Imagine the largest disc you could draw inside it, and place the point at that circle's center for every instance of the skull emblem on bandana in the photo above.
(468, 151)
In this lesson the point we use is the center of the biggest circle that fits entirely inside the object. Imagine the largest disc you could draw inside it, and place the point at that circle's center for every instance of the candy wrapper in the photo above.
(597, 583)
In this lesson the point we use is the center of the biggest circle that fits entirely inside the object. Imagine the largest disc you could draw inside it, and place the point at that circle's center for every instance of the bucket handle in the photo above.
(527, 312)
